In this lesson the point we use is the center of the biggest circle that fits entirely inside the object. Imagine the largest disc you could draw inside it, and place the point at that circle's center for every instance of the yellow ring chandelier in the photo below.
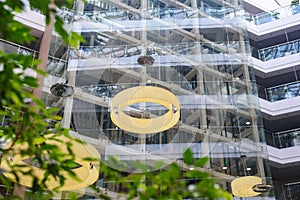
(243, 186)
(87, 172)
(145, 94)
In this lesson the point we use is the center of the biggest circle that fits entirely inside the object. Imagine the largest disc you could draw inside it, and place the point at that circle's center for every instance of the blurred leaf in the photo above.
(56, 117)
(201, 162)
(71, 164)
(30, 81)
(42, 72)
(72, 196)
(76, 39)
(158, 164)
(39, 140)
(188, 157)
(140, 166)
(59, 28)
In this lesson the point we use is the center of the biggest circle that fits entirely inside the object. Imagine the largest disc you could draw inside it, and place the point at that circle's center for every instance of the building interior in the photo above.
(156, 77)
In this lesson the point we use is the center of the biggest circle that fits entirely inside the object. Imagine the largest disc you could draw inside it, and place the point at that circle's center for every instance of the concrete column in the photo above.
(43, 53)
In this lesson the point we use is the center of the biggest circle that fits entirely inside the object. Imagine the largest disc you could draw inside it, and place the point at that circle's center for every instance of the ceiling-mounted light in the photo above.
(249, 186)
(145, 94)
(243, 186)
(62, 90)
(145, 60)
(262, 187)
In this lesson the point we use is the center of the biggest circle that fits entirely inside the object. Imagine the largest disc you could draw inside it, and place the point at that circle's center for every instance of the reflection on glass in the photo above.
(197, 57)
(55, 66)
(280, 92)
(279, 13)
(279, 50)
(285, 139)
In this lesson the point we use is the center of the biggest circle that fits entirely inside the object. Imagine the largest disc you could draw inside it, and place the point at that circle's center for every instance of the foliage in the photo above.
(27, 124)
(294, 2)
(25, 119)
(170, 183)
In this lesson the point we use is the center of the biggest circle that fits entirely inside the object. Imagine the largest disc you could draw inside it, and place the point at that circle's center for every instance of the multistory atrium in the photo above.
(158, 77)
(273, 29)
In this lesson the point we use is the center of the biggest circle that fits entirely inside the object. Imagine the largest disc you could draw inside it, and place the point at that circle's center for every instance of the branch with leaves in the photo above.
(171, 182)
(25, 119)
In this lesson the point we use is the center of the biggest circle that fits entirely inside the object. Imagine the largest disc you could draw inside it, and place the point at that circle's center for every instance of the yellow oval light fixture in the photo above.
(86, 172)
(243, 186)
(145, 94)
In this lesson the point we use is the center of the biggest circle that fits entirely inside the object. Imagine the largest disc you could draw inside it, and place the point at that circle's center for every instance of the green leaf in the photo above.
(30, 81)
(42, 72)
(73, 196)
(140, 166)
(76, 39)
(71, 164)
(188, 157)
(39, 140)
(201, 162)
(56, 117)
(158, 164)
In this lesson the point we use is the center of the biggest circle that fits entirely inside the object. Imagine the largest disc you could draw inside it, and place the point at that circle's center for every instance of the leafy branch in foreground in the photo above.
(25, 120)
(170, 183)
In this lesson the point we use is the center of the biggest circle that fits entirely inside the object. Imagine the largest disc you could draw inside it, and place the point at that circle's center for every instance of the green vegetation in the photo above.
(27, 124)
(170, 183)
(294, 2)
(25, 117)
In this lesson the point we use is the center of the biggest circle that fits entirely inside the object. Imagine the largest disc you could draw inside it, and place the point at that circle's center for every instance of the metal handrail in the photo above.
(284, 139)
(287, 90)
(272, 15)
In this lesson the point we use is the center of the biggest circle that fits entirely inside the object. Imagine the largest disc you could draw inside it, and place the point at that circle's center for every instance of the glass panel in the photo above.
(199, 61)
(279, 13)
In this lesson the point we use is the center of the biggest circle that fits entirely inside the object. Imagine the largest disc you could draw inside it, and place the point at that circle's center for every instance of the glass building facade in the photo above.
(156, 77)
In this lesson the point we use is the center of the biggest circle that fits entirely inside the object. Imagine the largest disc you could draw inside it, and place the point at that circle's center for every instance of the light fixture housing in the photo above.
(264, 187)
(144, 94)
(145, 60)
(62, 90)
(243, 186)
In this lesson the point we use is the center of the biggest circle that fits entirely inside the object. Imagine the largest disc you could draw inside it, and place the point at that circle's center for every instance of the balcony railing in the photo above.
(277, 51)
(273, 15)
(284, 139)
(55, 66)
(110, 14)
(280, 92)
(287, 190)
(10, 47)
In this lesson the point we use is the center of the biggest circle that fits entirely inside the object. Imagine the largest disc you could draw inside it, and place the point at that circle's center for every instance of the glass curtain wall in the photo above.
(156, 77)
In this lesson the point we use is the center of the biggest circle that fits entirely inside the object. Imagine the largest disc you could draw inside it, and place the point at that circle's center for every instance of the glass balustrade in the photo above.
(283, 139)
(277, 51)
(280, 92)
(286, 190)
(9, 47)
(273, 15)
(115, 14)
(292, 190)
(111, 15)
(55, 66)
(103, 51)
